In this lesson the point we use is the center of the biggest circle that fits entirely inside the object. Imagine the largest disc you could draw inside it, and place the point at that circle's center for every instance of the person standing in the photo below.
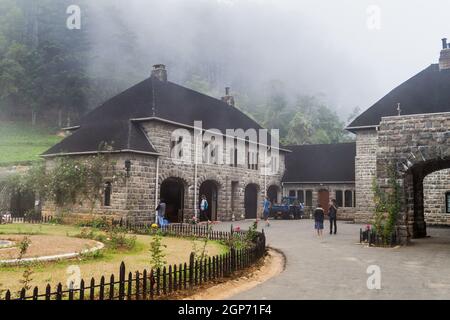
(318, 220)
(266, 210)
(332, 213)
(204, 209)
(161, 212)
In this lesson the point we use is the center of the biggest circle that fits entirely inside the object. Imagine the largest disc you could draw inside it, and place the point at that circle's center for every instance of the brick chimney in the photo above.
(229, 99)
(159, 72)
(444, 59)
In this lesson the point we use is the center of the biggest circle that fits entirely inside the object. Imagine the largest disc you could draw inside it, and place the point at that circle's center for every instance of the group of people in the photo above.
(319, 216)
(161, 211)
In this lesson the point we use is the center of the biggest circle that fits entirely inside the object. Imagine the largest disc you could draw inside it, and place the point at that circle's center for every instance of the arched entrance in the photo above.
(172, 192)
(272, 193)
(251, 201)
(414, 194)
(210, 190)
(324, 199)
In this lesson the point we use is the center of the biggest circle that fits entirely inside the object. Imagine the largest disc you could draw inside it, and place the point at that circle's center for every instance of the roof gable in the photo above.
(426, 92)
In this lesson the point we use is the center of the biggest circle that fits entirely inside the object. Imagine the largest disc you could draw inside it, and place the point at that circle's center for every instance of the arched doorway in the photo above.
(210, 190)
(272, 193)
(172, 192)
(324, 199)
(414, 194)
(251, 201)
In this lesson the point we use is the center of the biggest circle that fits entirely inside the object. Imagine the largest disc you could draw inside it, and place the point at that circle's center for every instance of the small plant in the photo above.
(26, 278)
(200, 252)
(117, 239)
(158, 255)
(23, 247)
(387, 206)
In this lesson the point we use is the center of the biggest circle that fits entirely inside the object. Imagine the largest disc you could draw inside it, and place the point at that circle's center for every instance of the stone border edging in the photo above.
(55, 257)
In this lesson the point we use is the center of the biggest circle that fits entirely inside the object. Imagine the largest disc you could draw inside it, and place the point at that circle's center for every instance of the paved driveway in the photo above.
(335, 267)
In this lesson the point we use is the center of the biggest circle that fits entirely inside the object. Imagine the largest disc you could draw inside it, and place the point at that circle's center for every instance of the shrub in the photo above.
(157, 258)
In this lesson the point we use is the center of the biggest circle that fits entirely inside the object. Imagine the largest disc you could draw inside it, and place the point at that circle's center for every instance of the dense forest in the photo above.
(52, 75)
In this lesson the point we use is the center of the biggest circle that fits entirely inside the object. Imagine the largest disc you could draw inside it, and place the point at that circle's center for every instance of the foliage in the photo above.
(387, 205)
(118, 239)
(97, 223)
(26, 278)
(157, 259)
(200, 252)
(252, 234)
(68, 180)
(23, 247)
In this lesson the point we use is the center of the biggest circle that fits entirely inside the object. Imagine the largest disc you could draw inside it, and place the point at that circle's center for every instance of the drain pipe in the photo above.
(195, 174)
(156, 187)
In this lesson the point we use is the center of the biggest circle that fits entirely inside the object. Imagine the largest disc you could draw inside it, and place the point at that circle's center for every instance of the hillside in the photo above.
(20, 143)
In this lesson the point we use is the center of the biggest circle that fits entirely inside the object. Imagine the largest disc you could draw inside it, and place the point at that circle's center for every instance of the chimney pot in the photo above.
(444, 59)
(159, 72)
(229, 99)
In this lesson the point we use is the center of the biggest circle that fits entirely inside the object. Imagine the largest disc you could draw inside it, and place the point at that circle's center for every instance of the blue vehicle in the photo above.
(289, 208)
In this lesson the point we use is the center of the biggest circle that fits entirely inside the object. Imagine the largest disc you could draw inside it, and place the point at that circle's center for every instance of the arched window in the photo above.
(348, 195)
(108, 189)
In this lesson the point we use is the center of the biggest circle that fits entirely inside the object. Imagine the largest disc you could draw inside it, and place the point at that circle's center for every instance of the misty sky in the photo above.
(315, 47)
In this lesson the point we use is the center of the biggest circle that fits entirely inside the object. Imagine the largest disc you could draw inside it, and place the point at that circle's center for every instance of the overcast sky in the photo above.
(339, 49)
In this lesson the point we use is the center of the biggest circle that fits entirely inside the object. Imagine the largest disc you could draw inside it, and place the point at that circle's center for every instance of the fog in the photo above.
(314, 47)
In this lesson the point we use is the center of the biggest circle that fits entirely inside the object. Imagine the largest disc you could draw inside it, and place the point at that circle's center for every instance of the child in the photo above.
(318, 220)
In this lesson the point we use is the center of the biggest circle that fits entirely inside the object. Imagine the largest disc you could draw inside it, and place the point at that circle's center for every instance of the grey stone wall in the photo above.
(436, 185)
(417, 145)
(365, 172)
(223, 175)
(344, 213)
(136, 197)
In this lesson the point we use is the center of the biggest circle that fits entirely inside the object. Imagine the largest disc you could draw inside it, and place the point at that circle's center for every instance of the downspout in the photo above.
(195, 176)
(156, 186)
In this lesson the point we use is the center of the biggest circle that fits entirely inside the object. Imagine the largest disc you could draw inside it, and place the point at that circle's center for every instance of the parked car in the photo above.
(289, 208)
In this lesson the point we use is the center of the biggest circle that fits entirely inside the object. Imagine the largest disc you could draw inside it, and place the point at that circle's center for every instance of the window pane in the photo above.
(348, 198)
(300, 196)
(447, 200)
(291, 193)
(308, 198)
(339, 198)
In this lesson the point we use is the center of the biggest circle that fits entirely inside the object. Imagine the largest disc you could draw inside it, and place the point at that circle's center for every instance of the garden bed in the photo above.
(107, 262)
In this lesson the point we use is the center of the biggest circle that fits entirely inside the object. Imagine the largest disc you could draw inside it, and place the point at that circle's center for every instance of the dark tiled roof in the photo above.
(111, 123)
(426, 92)
(321, 163)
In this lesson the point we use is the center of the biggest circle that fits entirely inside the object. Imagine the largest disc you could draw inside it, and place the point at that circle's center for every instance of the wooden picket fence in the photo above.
(160, 283)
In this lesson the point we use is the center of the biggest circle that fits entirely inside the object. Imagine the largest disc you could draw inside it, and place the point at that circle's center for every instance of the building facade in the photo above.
(408, 129)
(175, 144)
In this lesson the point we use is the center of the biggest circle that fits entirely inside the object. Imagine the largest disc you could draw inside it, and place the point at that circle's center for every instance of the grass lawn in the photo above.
(177, 251)
(21, 143)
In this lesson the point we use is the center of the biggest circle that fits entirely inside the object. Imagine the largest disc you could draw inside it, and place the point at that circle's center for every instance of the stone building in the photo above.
(409, 128)
(318, 173)
(176, 144)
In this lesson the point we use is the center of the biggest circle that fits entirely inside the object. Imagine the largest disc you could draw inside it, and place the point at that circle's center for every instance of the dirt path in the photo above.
(274, 264)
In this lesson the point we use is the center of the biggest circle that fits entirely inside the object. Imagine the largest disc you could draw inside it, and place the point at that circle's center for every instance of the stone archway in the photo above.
(172, 192)
(251, 201)
(414, 194)
(273, 193)
(210, 189)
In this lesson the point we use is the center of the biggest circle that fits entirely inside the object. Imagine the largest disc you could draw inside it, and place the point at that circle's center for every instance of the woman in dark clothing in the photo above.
(332, 213)
(318, 219)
